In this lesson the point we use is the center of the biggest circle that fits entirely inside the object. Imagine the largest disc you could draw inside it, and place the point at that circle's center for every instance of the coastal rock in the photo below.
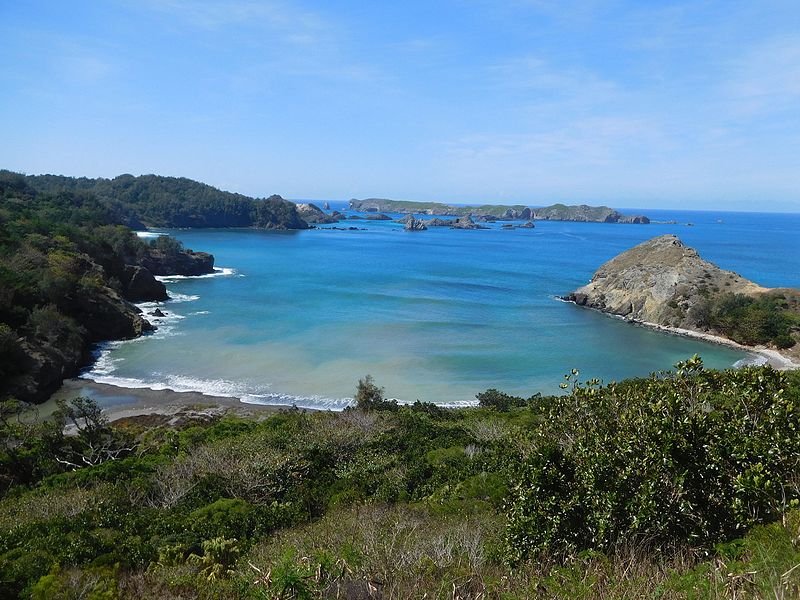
(528, 225)
(185, 262)
(436, 222)
(378, 217)
(142, 286)
(158, 313)
(312, 214)
(486, 218)
(507, 226)
(635, 219)
(48, 358)
(466, 223)
(661, 281)
(326, 206)
(412, 224)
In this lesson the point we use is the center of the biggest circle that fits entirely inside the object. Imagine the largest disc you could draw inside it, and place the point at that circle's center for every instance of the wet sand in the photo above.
(119, 403)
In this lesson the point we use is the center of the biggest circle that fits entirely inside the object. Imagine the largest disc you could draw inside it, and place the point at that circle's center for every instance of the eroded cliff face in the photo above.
(660, 281)
(312, 214)
(185, 262)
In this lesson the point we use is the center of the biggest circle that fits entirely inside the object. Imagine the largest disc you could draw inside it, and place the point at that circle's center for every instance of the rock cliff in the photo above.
(185, 262)
(311, 213)
(660, 281)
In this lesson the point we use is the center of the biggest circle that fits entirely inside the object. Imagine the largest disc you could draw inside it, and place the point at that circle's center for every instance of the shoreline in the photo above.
(120, 402)
(773, 357)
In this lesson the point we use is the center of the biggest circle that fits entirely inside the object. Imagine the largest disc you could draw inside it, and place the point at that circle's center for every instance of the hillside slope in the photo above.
(157, 201)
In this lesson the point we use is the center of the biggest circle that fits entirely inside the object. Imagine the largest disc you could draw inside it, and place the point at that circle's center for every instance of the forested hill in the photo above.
(157, 201)
(68, 275)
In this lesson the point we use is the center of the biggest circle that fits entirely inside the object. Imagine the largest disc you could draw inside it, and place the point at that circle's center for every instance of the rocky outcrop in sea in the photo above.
(466, 223)
(313, 214)
(661, 281)
(412, 224)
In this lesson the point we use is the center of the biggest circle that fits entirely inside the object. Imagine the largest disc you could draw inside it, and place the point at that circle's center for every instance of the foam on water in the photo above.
(218, 272)
(751, 360)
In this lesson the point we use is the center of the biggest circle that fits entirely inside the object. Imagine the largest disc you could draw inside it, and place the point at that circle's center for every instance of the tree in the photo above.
(370, 397)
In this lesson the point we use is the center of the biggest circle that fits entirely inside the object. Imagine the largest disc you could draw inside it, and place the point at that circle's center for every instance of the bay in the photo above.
(439, 315)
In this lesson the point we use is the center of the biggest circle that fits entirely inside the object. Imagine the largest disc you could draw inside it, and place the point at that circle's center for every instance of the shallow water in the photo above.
(438, 315)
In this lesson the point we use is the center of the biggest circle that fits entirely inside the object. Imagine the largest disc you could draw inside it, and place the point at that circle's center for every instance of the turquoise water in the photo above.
(439, 315)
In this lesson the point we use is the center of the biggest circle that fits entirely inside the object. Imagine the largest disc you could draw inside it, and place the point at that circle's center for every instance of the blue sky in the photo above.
(645, 104)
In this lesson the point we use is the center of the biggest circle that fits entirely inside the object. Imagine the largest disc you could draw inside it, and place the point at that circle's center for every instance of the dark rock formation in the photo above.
(528, 225)
(378, 217)
(141, 285)
(185, 262)
(326, 206)
(47, 358)
(466, 223)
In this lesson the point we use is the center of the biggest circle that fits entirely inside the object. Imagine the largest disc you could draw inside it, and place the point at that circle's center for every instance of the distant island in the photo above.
(555, 212)
(664, 283)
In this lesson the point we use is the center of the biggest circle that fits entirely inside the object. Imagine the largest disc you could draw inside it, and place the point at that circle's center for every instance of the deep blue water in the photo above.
(437, 315)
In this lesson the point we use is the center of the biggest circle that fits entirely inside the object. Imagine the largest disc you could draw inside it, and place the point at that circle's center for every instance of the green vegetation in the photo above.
(680, 485)
(770, 318)
(158, 201)
(63, 272)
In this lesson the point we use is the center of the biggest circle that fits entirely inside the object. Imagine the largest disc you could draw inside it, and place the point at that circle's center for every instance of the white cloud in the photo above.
(766, 79)
(297, 25)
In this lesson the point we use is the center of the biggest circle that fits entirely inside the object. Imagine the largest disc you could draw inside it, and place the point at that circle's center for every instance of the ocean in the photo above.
(438, 316)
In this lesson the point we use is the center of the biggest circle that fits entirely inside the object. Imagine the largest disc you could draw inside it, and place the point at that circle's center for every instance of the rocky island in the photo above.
(664, 283)
(587, 214)
(500, 212)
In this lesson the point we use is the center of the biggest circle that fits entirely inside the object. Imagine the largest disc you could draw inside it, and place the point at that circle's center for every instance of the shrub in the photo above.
(691, 458)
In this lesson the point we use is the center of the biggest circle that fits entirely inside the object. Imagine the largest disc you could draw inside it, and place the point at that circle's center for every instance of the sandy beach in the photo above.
(120, 403)
(772, 357)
